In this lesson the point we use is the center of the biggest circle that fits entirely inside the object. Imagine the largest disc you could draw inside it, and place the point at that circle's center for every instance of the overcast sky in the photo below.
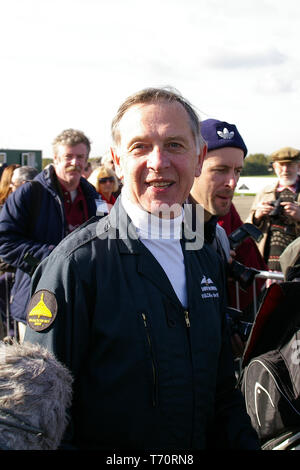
(70, 63)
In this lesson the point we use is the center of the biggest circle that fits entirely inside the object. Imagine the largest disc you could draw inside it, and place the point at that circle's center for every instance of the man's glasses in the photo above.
(106, 179)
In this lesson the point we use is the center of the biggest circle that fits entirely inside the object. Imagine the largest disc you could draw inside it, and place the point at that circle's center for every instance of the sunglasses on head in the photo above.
(107, 178)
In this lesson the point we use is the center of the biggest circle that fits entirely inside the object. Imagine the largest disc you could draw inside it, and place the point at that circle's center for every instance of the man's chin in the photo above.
(163, 210)
(223, 210)
(72, 179)
(73, 176)
(288, 181)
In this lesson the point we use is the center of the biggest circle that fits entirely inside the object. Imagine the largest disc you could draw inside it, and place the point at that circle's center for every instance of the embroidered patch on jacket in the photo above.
(42, 310)
(208, 288)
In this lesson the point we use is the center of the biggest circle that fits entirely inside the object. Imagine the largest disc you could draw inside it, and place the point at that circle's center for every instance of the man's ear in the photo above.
(117, 162)
(200, 160)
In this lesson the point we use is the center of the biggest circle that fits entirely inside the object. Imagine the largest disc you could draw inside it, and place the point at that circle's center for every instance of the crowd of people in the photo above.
(122, 269)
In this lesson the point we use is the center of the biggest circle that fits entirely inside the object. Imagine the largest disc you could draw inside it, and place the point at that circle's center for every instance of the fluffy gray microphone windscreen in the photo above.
(35, 393)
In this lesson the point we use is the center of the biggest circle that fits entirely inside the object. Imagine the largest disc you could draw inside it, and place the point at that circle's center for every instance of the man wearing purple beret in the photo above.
(214, 188)
(214, 191)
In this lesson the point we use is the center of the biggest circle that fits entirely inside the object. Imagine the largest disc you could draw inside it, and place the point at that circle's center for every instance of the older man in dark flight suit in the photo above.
(134, 306)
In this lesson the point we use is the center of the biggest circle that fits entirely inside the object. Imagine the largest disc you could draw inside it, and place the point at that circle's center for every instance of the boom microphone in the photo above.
(35, 393)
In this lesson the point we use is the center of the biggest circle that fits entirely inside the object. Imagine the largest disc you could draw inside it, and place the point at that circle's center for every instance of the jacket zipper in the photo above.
(186, 318)
(62, 215)
(188, 326)
(152, 359)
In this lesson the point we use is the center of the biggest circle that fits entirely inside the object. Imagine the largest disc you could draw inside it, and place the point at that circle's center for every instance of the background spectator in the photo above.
(5, 183)
(107, 160)
(2, 166)
(276, 208)
(21, 175)
(105, 181)
(87, 170)
(39, 214)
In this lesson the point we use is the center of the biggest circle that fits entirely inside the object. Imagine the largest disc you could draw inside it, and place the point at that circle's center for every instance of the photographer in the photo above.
(276, 209)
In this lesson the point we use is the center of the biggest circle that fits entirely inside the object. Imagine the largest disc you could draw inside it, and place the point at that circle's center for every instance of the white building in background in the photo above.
(253, 184)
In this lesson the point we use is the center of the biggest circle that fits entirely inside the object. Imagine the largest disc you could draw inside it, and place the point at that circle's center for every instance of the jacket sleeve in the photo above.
(16, 237)
(59, 276)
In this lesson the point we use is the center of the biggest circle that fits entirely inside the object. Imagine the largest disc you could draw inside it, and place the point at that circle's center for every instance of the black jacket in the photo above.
(148, 373)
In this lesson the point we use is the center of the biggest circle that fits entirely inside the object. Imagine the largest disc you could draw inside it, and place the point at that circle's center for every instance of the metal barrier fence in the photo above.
(276, 276)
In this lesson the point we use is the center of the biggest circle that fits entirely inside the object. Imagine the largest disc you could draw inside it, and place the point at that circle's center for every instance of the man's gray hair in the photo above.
(154, 95)
(35, 392)
(24, 173)
(71, 137)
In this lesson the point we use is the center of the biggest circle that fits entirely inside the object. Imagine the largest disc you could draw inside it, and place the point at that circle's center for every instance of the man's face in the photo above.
(286, 172)
(214, 188)
(157, 158)
(70, 162)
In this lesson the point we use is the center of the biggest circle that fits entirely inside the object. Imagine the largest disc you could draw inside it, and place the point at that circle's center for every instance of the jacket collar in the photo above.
(210, 229)
(121, 226)
(271, 187)
(125, 231)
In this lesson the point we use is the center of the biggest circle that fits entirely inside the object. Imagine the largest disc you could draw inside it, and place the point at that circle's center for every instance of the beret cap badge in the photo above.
(225, 134)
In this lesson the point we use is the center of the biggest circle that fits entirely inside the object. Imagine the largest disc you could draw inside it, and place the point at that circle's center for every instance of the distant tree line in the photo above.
(256, 165)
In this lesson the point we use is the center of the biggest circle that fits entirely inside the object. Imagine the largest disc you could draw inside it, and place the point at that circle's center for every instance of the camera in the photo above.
(236, 270)
(236, 325)
(241, 273)
(241, 233)
(278, 209)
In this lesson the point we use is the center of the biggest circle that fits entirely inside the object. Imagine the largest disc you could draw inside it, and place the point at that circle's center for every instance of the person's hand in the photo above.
(232, 256)
(263, 209)
(292, 209)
